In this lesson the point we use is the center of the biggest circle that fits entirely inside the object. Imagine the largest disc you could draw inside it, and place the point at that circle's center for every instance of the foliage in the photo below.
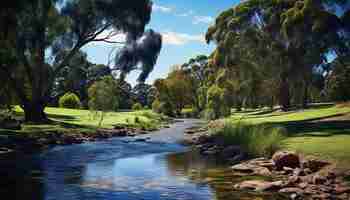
(276, 48)
(63, 28)
(103, 96)
(338, 83)
(217, 104)
(174, 92)
(156, 106)
(137, 106)
(70, 100)
(255, 140)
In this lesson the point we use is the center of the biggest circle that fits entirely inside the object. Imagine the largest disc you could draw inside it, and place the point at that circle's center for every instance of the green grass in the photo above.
(321, 131)
(73, 120)
(255, 140)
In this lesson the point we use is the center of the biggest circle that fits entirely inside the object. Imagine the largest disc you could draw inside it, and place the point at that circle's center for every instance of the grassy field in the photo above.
(323, 131)
(72, 120)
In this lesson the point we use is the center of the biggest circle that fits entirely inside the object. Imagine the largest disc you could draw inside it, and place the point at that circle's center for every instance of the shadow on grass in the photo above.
(61, 117)
(316, 127)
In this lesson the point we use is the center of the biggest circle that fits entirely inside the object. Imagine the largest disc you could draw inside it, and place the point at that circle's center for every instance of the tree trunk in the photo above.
(305, 95)
(284, 96)
(272, 102)
(34, 112)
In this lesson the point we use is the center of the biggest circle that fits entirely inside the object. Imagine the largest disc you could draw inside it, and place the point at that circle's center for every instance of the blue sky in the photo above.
(182, 24)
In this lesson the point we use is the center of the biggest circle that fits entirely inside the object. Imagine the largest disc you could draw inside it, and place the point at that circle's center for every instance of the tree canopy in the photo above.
(41, 44)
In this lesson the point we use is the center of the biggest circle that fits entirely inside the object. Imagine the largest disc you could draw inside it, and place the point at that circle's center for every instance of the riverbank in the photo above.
(69, 126)
(323, 176)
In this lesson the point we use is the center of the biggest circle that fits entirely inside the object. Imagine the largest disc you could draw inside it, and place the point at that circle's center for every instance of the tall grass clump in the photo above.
(255, 140)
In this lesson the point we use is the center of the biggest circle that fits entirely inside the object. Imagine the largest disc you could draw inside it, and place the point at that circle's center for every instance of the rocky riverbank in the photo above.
(287, 172)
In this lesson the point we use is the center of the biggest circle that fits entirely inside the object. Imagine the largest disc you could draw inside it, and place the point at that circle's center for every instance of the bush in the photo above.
(163, 107)
(255, 140)
(70, 100)
(156, 106)
(137, 106)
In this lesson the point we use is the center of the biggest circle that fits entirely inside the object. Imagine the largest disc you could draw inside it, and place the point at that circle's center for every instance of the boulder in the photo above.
(286, 159)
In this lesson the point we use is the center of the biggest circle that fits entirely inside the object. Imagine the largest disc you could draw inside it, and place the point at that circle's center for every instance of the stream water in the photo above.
(122, 169)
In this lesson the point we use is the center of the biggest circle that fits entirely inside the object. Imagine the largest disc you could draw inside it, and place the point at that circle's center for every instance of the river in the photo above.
(121, 169)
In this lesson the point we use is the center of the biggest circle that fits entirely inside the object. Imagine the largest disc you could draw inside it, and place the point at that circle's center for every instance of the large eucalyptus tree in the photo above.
(43, 29)
(289, 38)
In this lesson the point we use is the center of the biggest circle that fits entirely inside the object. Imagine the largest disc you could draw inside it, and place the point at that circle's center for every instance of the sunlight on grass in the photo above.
(300, 115)
(307, 134)
(84, 121)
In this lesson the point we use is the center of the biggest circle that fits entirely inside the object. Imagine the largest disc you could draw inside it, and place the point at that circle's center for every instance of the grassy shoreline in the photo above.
(69, 126)
(322, 131)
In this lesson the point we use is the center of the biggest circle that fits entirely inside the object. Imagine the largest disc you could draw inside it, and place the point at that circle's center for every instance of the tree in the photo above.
(75, 77)
(67, 26)
(217, 103)
(289, 39)
(338, 82)
(103, 96)
(141, 93)
(175, 91)
(197, 69)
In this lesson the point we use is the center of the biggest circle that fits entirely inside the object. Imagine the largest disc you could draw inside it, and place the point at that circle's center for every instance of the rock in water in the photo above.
(259, 185)
(286, 159)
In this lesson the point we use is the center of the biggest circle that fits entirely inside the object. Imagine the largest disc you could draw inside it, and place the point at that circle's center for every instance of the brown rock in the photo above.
(298, 172)
(303, 185)
(259, 185)
(291, 190)
(341, 189)
(245, 168)
(343, 197)
(286, 159)
(262, 171)
(294, 179)
(318, 179)
(288, 170)
(314, 164)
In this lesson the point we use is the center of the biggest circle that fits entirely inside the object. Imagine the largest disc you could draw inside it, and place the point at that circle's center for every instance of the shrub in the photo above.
(70, 100)
(255, 140)
(167, 109)
(137, 106)
(156, 106)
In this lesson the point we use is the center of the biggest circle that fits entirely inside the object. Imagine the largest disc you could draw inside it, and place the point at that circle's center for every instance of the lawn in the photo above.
(73, 120)
(323, 131)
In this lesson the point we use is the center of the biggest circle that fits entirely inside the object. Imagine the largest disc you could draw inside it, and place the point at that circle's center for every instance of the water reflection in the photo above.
(115, 169)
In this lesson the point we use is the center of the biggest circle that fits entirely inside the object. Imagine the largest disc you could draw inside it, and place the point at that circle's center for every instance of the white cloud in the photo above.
(160, 8)
(186, 14)
(202, 19)
(174, 38)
